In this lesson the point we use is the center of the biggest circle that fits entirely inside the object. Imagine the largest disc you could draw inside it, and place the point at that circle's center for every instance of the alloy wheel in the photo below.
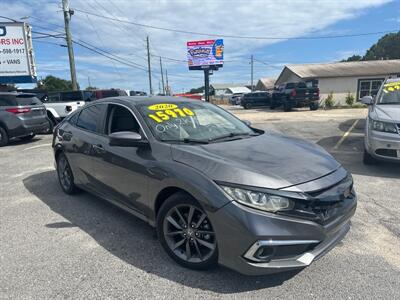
(64, 173)
(189, 234)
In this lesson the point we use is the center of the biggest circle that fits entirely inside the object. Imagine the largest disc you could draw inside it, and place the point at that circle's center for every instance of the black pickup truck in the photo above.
(295, 94)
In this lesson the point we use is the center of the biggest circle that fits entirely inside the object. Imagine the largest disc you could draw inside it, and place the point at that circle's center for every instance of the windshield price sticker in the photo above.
(391, 87)
(164, 112)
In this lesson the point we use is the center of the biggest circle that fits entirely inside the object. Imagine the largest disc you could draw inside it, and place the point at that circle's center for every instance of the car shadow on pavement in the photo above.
(134, 241)
(350, 152)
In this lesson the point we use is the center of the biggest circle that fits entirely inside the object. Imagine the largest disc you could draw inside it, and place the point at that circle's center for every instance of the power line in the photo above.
(108, 56)
(237, 36)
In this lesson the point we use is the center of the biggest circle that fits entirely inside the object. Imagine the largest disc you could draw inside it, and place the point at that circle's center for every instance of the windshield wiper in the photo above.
(232, 134)
(188, 141)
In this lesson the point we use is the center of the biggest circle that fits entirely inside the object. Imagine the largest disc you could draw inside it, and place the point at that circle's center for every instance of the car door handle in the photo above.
(98, 148)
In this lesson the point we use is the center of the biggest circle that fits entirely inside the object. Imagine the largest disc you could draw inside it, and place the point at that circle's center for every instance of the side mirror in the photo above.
(368, 100)
(248, 123)
(127, 139)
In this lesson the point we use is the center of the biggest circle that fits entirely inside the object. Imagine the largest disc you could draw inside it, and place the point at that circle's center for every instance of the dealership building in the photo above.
(359, 78)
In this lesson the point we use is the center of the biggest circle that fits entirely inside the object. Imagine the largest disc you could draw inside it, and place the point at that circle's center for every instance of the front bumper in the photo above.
(382, 145)
(241, 231)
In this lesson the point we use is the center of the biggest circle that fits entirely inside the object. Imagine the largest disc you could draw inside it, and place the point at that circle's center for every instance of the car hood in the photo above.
(387, 112)
(268, 160)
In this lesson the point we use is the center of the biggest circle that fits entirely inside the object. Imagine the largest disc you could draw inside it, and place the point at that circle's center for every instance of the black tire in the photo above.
(52, 123)
(287, 106)
(65, 176)
(27, 138)
(247, 106)
(198, 234)
(314, 106)
(3, 137)
(272, 105)
(368, 159)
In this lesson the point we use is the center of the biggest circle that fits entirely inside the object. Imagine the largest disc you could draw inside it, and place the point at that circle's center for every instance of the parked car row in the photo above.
(24, 114)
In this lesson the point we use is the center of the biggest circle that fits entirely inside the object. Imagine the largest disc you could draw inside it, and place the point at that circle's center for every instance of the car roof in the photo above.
(138, 100)
(393, 80)
(16, 93)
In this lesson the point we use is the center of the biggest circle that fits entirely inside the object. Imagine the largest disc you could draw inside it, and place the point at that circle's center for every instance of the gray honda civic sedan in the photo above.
(216, 189)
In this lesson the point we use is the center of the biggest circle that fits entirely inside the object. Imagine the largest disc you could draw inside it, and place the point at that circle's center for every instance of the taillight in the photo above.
(18, 110)
(317, 92)
(293, 93)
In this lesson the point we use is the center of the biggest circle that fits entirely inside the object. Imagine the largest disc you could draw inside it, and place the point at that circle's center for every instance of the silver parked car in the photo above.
(382, 130)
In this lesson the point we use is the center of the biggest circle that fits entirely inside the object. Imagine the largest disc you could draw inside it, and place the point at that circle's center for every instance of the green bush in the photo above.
(329, 102)
(350, 99)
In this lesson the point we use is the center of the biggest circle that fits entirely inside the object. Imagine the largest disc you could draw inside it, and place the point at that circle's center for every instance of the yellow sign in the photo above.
(162, 106)
(391, 87)
(164, 112)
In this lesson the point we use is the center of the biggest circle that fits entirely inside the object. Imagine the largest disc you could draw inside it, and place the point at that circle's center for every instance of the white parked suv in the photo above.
(382, 130)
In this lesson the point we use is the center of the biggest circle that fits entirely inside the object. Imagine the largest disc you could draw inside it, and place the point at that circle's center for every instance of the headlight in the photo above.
(263, 201)
(383, 126)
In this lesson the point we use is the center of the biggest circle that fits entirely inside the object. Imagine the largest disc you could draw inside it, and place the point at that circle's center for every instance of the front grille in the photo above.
(386, 152)
(326, 204)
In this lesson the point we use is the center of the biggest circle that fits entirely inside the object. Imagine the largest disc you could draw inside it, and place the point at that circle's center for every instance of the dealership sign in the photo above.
(16, 54)
(205, 54)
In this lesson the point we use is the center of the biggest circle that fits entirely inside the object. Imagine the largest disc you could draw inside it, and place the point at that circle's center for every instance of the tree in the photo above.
(197, 90)
(91, 88)
(353, 58)
(387, 47)
(52, 83)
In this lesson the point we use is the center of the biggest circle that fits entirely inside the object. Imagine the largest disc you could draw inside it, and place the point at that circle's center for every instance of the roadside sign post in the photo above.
(17, 63)
(207, 55)
(207, 84)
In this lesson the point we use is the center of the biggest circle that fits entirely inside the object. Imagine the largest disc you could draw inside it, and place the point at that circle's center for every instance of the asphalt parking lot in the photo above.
(57, 246)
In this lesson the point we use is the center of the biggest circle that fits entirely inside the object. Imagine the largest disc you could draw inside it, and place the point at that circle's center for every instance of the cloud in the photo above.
(248, 18)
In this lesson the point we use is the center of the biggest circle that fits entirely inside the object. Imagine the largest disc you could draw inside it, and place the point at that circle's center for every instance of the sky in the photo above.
(282, 19)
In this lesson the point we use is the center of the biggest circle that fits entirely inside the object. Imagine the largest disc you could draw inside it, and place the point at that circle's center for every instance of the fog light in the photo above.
(265, 253)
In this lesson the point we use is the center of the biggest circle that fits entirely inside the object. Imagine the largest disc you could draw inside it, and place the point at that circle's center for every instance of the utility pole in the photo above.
(67, 20)
(159, 87)
(88, 79)
(148, 65)
(162, 77)
(167, 87)
(252, 63)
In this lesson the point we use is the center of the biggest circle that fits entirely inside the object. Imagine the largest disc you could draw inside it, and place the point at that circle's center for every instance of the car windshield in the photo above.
(192, 122)
(390, 93)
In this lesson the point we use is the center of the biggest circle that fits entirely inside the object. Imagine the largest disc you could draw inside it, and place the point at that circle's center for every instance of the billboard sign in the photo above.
(16, 54)
(205, 54)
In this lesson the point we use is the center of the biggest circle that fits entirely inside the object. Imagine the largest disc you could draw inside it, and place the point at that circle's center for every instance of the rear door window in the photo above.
(91, 118)
(71, 96)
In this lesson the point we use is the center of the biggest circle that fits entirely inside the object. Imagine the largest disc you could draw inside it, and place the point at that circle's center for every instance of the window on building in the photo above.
(369, 87)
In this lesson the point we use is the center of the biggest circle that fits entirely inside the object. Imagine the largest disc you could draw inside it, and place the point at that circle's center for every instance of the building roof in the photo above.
(224, 86)
(267, 82)
(346, 69)
(240, 89)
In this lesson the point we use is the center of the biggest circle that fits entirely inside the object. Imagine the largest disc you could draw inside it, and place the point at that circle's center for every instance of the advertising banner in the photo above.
(16, 54)
(205, 54)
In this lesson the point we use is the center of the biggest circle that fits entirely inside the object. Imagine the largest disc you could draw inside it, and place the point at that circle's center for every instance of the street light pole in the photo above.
(67, 20)
(148, 65)
(162, 78)
(252, 62)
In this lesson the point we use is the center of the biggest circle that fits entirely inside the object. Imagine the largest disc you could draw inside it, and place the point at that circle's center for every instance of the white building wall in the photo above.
(341, 86)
